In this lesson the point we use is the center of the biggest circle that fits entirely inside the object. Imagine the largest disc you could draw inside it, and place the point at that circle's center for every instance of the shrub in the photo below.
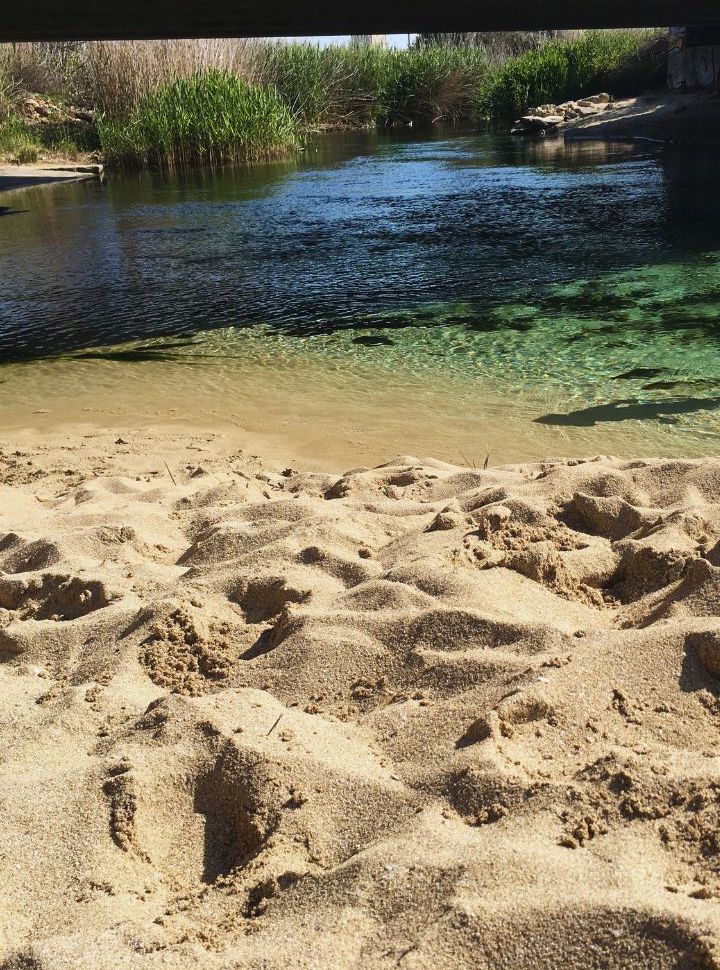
(44, 68)
(327, 87)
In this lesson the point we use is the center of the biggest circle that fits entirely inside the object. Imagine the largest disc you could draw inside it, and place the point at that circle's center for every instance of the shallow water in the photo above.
(458, 296)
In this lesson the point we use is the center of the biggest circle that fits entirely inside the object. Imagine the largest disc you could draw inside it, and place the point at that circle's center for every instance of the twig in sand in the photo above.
(172, 477)
(408, 949)
(487, 459)
(274, 726)
(470, 464)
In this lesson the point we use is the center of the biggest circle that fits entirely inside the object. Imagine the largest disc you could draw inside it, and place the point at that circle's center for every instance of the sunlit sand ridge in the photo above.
(425, 713)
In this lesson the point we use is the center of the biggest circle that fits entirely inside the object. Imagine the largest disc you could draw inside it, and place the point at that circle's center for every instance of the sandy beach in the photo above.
(417, 715)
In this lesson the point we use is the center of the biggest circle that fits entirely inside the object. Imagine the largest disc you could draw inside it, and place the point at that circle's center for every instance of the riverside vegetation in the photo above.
(165, 104)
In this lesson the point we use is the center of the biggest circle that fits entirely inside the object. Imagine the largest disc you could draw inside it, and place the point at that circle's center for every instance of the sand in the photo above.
(48, 172)
(411, 716)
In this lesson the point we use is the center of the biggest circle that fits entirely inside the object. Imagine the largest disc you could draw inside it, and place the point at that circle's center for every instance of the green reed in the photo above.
(432, 85)
(331, 87)
(622, 62)
(206, 119)
(17, 142)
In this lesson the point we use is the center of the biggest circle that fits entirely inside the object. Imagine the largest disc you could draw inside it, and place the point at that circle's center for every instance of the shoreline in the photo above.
(666, 118)
(254, 713)
(661, 118)
(361, 421)
(16, 177)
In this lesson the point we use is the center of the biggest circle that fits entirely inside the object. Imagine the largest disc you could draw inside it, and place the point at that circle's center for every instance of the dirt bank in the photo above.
(692, 120)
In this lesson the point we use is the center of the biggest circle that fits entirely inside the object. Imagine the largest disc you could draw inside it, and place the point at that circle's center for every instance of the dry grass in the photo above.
(120, 75)
(499, 45)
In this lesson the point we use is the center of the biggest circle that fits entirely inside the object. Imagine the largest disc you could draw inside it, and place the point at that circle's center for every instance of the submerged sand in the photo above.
(418, 715)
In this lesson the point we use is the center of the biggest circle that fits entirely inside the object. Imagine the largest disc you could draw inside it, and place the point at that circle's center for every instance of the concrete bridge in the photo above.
(96, 19)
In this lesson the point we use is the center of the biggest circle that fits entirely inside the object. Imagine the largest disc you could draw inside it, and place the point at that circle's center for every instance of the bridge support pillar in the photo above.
(694, 58)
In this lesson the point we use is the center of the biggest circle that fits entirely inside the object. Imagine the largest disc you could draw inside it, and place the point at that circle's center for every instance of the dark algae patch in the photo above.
(631, 410)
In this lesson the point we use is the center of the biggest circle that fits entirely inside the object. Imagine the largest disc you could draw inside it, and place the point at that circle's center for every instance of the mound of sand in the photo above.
(417, 715)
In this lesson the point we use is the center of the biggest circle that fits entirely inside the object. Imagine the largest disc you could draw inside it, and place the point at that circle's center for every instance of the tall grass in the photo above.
(43, 68)
(8, 90)
(498, 45)
(620, 61)
(327, 87)
(17, 143)
(176, 103)
(22, 143)
(434, 85)
(119, 75)
(207, 119)
(330, 87)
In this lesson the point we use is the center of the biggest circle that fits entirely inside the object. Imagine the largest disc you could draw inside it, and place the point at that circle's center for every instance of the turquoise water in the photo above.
(577, 286)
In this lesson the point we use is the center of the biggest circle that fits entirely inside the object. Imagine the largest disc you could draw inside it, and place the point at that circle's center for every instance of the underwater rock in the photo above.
(375, 340)
(630, 375)
(537, 123)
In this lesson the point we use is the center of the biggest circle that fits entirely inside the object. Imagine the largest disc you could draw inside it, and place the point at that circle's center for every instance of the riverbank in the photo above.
(689, 120)
(420, 713)
(48, 172)
(186, 104)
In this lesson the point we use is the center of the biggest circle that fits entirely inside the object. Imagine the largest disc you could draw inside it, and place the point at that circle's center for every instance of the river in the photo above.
(462, 297)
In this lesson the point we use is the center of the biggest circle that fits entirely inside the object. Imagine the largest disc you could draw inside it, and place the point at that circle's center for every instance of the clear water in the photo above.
(482, 287)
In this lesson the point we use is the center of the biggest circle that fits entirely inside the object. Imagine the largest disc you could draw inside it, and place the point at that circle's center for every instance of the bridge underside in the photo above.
(97, 19)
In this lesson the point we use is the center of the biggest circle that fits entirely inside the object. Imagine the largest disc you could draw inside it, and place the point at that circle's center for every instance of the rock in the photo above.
(546, 110)
(586, 110)
(373, 340)
(83, 114)
(41, 111)
(537, 122)
(601, 99)
(568, 109)
(549, 116)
